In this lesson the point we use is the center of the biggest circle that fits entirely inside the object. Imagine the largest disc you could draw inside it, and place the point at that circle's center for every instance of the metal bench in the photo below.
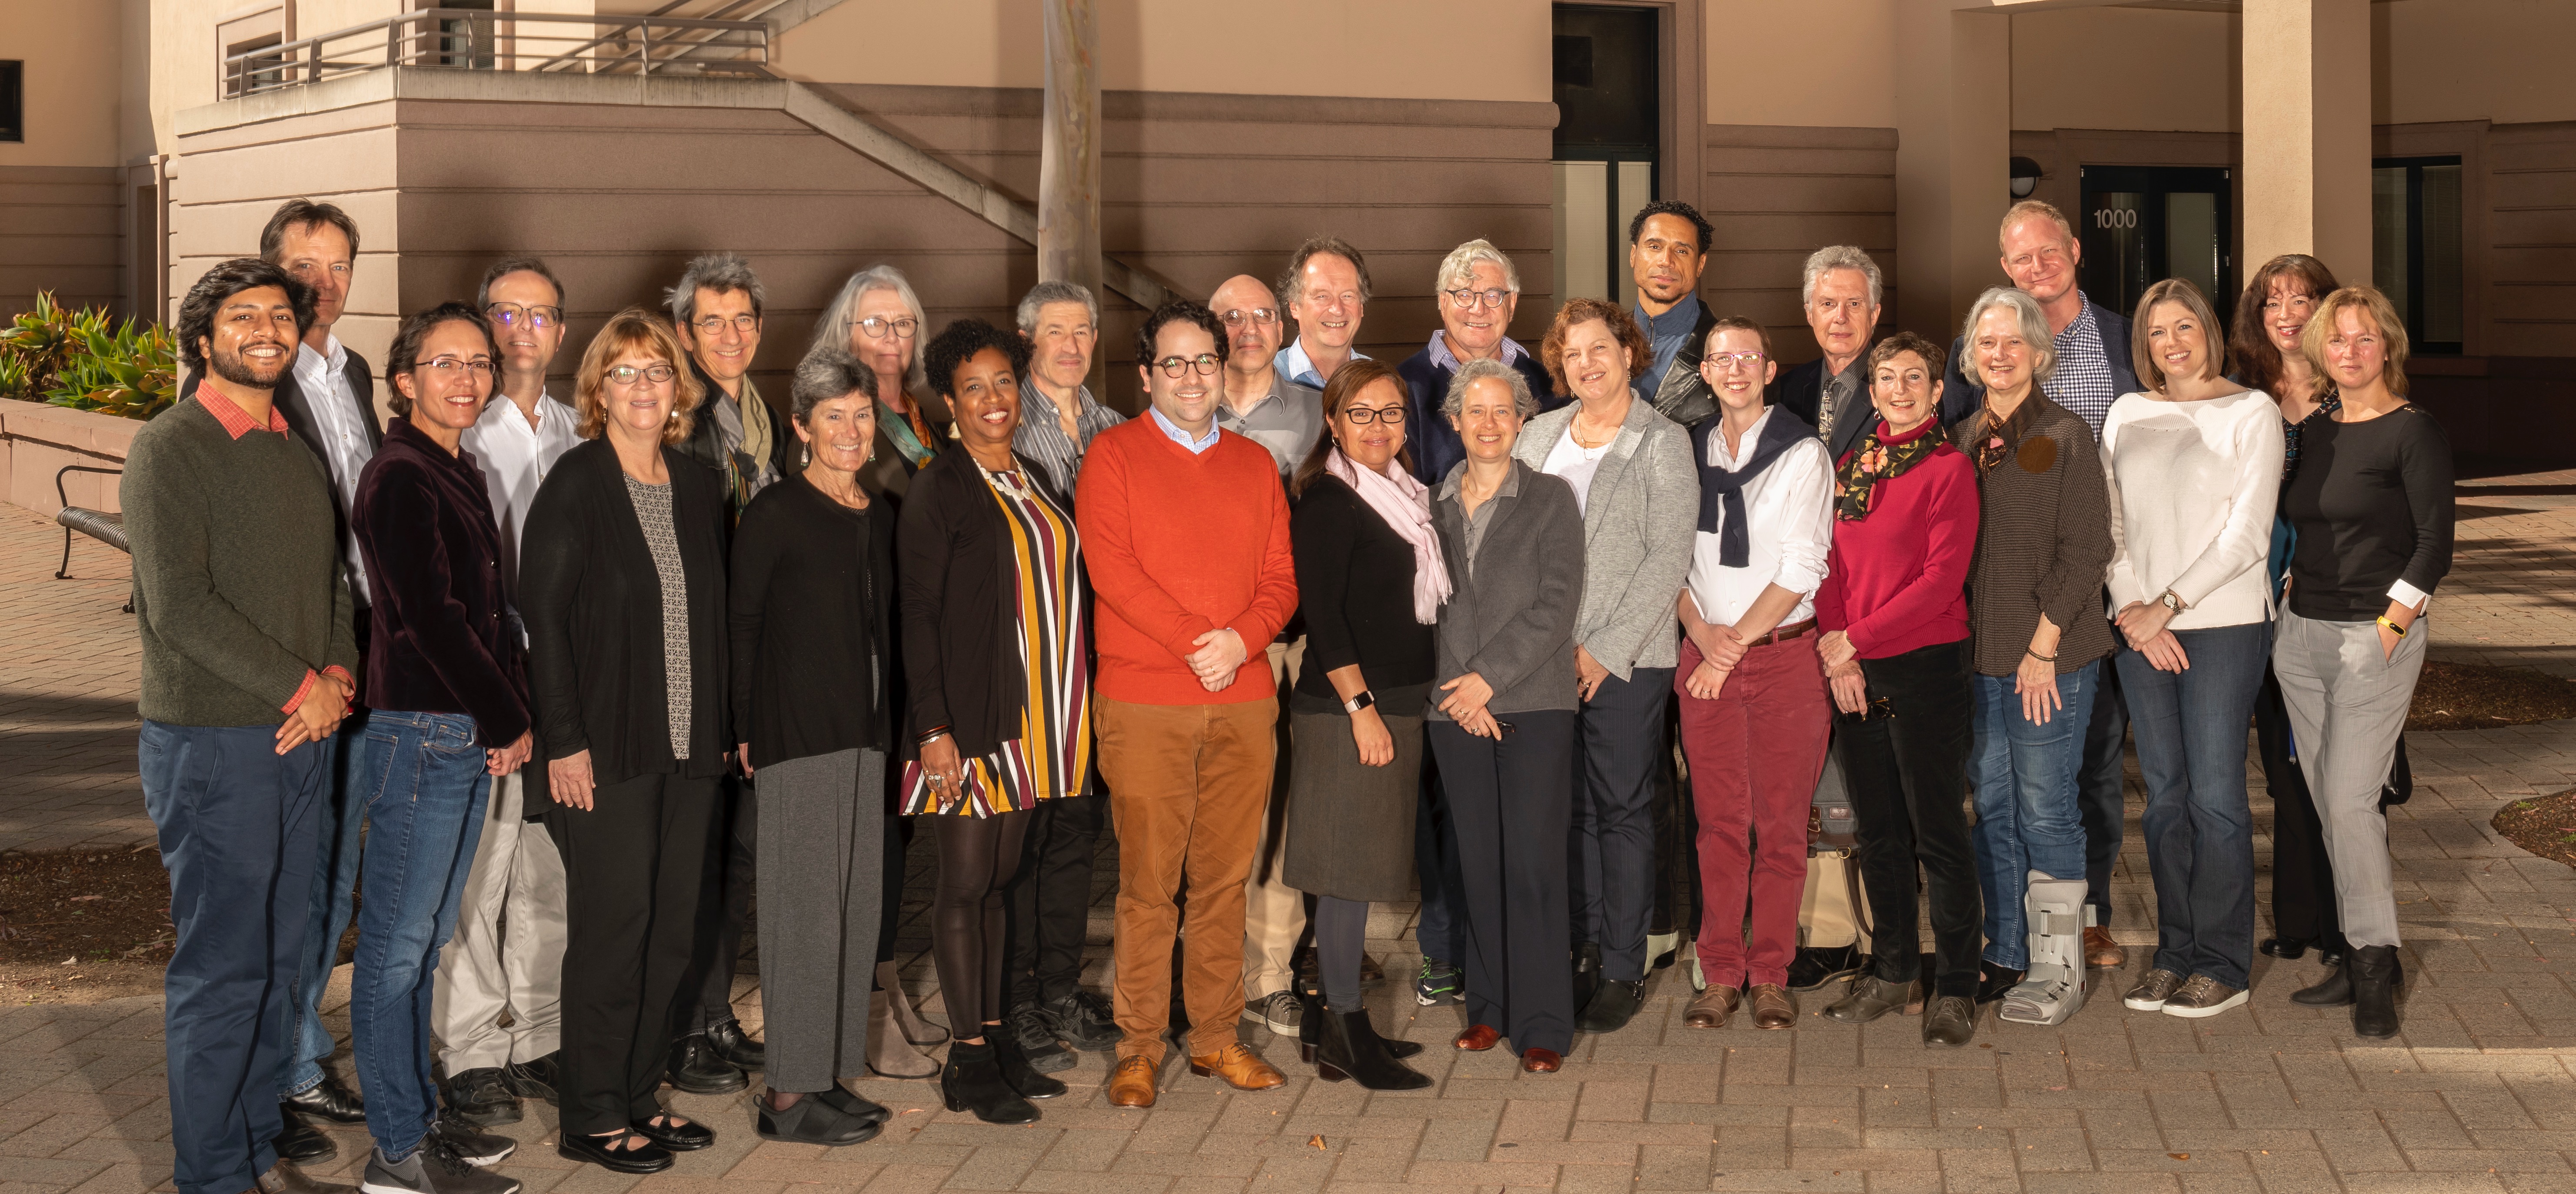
(97, 524)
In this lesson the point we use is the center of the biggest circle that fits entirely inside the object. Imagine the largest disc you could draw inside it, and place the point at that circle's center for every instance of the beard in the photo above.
(239, 370)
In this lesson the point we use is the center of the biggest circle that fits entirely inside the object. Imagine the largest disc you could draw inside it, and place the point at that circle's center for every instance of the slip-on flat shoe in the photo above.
(1478, 1038)
(677, 1137)
(602, 1151)
(1541, 1061)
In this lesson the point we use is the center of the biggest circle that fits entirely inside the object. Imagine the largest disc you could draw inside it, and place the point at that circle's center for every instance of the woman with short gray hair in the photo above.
(878, 319)
(811, 610)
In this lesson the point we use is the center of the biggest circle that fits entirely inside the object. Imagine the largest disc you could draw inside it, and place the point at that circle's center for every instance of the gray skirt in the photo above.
(1349, 826)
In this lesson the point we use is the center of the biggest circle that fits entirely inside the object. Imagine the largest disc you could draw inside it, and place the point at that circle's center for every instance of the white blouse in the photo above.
(2192, 488)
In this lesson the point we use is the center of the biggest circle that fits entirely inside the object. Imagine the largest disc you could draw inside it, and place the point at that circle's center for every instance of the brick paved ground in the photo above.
(2478, 1095)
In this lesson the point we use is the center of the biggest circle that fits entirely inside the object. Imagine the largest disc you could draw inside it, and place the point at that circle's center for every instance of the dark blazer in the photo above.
(1435, 444)
(958, 583)
(1962, 396)
(808, 677)
(442, 641)
(592, 600)
(1355, 588)
(1511, 619)
(1801, 391)
(297, 407)
(706, 444)
(1681, 394)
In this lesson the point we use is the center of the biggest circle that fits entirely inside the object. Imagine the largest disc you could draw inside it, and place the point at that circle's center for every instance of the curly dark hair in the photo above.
(1176, 311)
(1672, 207)
(1623, 327)
(2249, 347)
(959, 342)
(404, 356)
(197, 311)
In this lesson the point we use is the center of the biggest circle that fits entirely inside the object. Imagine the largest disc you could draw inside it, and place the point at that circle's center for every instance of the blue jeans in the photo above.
(426, 789)
(2025, 774)
(236, 822)
(342, 811)
(2199, 825)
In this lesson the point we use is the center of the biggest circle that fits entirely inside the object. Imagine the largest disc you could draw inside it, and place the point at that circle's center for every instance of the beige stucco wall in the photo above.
(2125, 68)
(71, 82)
(1811, 63)
(1416, 49)
(2497, 60)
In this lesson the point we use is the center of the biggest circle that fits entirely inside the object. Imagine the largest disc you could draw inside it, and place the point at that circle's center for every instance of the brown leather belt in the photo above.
(1783, 634)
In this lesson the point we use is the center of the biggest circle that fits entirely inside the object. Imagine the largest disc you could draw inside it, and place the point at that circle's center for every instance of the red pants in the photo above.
(1755, 753)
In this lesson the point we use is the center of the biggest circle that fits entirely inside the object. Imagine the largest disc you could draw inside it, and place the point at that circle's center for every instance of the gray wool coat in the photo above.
(1639, 517)
(1510, 616)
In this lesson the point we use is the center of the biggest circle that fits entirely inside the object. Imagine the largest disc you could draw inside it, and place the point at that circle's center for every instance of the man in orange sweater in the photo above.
(1185, 532)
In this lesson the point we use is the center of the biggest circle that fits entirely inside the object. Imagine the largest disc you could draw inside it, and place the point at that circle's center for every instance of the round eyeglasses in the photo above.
(1202, 364)
(1469, 300)
(879, 327)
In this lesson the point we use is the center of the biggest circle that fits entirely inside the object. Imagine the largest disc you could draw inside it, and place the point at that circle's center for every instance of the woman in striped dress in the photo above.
(997, 721)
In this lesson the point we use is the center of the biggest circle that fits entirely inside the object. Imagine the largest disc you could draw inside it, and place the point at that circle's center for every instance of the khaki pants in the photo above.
(1274, 914)
(1825, 919)
(1187, 785)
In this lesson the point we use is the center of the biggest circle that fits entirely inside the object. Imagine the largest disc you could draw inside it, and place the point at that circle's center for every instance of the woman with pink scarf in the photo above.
(1370, 582)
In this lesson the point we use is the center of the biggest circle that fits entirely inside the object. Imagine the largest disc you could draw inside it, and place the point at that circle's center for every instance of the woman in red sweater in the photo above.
(1895, 614)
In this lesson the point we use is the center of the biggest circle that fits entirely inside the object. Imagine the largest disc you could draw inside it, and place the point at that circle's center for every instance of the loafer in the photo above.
(303, 1143)
(1478, 1038)
(1613, 1005)
(1950, 1020)
(1714, 1007)
(541, 1078)
(1132, 1083)
(2200, 996)
(2152, 991)
(482, 1097)
(696, 1069)
(1773, 1007)
(735, 1046)
(1239, 1066)
(1813, 966)
(674, 1133)
(608, 1152)
(1542, 1061)
(284, 1178)
(2102, 953)
(2288, 949)
(330, 1099)
(1871, 997)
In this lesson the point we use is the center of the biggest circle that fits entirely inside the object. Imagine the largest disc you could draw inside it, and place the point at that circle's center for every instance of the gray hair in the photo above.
(722, 273)
(834, 327)
(2034, 329)
(1044, 293)
(828, 372)
(1458, 268)
(1833, 257)
(1523, 404)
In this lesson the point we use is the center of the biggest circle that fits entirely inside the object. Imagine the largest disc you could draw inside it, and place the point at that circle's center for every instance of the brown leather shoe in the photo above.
(1132, 1083)
(1478, 1038)
(1541, 1061)
(1774, 1007)
(284, 1178)
(2102, 953)
(1241, 1068)
(1713, 1008)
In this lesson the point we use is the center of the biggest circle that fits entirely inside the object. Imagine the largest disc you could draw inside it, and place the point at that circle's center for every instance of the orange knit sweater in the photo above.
(1178, 544)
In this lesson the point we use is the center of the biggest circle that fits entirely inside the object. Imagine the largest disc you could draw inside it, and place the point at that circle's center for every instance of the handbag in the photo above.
(1832, 827)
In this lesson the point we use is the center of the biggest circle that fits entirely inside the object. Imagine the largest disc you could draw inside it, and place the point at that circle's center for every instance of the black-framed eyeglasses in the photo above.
(1469, 300)
(453, 367)
(510, 315)
(713, 324)
(1261, 316)
(1389, 415)
(625, 375)
(1203, 364)
(877, 326)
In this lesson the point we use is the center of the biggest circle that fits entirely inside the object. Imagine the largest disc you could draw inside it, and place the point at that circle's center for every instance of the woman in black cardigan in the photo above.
(622, 585)
(1370, 582)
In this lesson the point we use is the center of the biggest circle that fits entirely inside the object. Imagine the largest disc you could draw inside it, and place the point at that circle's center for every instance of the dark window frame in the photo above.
(13, 101)
(2412, 302)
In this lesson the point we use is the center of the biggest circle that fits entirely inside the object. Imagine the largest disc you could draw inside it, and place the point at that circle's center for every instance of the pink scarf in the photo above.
(1405, 504)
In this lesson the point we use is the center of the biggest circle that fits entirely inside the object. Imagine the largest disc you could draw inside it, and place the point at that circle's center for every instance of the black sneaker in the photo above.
(433, 1168)
(482, 1097)
(1084, 1019)
(471, 1144)
(539, 1079)
(1035, 1035)
(1438, 984)
(1815, 966)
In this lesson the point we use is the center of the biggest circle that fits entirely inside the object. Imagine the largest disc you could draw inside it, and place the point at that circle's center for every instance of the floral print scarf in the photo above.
(1856, 482)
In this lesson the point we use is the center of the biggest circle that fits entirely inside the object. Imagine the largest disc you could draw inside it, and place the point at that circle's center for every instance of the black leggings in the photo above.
(977, 857)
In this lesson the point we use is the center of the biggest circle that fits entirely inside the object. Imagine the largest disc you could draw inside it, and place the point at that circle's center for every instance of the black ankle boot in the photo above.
(2334, 990)
(1349, 1048)
(972, 1081)
(1017, 1072)
(1310, 1024)
(2375, 975)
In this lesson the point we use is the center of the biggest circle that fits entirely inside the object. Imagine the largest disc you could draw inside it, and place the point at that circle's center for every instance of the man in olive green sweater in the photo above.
(247, 666)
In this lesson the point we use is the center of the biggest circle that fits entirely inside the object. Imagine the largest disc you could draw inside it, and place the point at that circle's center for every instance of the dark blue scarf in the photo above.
(1721, 490)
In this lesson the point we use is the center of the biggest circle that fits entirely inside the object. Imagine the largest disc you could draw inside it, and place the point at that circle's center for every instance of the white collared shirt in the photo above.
(515, 459)
(1293, 364)
(1178, 436)
(324, 379)
(1789, 512)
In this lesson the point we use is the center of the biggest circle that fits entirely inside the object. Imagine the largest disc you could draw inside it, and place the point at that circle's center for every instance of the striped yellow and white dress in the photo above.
(1052, 755)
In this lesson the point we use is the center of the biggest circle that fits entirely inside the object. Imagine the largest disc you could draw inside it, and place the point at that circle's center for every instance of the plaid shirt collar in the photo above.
(236, 421)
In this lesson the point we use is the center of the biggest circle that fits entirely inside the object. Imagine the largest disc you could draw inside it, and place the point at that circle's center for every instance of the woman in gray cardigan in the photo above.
(1503, 714)
(1632, 477)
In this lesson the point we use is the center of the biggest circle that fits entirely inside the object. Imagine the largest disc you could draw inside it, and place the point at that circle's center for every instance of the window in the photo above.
(13, 100)
(2415, 246)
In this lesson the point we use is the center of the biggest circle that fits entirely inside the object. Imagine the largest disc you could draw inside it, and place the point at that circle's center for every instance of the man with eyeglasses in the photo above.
(1262, 403)
(1326, 290)
(506, 954)
(1667, 252)
(1185, 531)
(717, 307)
(1478, 292)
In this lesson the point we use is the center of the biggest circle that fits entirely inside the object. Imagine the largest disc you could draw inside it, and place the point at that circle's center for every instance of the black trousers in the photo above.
(1618, 735)
(1512, 802)
(1676, 840)
(633, 866)
(724, 906)
(898, 849)
(2098, 795)
(1907, 763)
(1047, 906)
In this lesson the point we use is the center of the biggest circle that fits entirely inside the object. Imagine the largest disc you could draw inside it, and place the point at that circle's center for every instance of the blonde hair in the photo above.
(2392, 332)
(629, 330)
(2174, 290)
(2025, 210)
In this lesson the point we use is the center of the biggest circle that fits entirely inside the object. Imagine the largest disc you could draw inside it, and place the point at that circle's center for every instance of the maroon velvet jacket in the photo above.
(444, 638)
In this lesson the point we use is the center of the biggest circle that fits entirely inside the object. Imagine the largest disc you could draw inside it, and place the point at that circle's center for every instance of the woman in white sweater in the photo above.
(2194, 471)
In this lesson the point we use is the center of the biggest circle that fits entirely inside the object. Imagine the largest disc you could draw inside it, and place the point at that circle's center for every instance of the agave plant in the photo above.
(126, 371)
(32, 349)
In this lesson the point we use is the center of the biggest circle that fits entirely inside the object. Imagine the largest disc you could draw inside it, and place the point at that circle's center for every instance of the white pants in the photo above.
(507, 951)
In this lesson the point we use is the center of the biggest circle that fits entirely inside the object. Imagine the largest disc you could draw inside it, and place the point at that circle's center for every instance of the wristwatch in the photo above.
(1362, 701)
(2170, 602)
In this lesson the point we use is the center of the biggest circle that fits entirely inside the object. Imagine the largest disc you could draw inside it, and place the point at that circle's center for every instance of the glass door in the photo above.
(1607, 101)
(2142, 224)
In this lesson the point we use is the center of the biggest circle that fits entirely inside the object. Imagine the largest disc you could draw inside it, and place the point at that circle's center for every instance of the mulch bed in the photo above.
(79, 926)
(2544, 825)
(2468, 696)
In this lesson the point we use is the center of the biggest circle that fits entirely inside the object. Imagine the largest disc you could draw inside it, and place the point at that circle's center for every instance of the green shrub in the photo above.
(80, 360)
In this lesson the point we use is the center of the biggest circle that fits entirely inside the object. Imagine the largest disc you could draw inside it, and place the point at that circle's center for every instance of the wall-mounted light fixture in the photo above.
(2025, 177)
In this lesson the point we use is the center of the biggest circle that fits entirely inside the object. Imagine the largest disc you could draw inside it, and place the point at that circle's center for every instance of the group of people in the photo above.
(1585, 637)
